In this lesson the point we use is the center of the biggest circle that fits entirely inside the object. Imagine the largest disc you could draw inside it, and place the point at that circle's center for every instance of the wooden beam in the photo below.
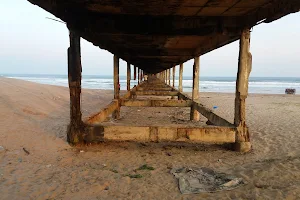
(116, 113)
(180, 77)
(195, 115)
(165, 133)
(76, 127)
(244, 68)
(128, 76)
(156, 103)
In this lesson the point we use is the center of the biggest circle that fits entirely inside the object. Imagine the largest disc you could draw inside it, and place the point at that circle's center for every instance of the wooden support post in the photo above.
(116, 113)
(138, 75)
(128, 76)
(169, 77)
(76, 127)
(142, 75)
(134, 73)
(244, 68)
(195, 115)
(173, 70)
(180, 77)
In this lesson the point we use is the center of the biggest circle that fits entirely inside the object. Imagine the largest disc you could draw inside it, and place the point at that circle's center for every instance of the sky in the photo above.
(32, 44)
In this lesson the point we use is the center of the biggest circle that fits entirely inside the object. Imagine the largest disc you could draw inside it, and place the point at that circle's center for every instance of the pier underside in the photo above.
(155, 36)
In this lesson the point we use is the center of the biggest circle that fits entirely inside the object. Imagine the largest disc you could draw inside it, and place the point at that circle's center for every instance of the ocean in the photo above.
(265, 85)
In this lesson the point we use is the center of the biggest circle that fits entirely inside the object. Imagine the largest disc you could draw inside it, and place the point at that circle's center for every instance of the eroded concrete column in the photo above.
(76, 127)
(169, 76)
(134, 73)
(128, 76)
(195, 115)
(173, 70)
(138, 75)
(180, 77)
(166, 76)
(244, 68)
(116, 113)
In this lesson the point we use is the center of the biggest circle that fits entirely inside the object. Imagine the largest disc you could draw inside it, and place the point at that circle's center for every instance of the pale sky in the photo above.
(32, 44)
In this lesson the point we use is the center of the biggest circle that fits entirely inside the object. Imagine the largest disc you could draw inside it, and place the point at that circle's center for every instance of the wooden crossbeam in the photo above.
(156, 103)
(162, 133)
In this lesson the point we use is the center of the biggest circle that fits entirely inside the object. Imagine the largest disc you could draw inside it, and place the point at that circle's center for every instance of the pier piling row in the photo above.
(219, 129)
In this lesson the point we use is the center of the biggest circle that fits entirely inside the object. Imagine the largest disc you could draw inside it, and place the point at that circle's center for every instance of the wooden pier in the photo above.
(154, 37)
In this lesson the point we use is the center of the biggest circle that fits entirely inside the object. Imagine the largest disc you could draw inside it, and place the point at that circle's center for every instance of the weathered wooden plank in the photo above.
(156, 103)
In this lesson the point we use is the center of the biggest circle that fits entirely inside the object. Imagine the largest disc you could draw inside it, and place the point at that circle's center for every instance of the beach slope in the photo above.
(38, 163)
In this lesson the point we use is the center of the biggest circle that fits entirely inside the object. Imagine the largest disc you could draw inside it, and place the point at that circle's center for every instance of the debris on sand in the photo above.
(193, 180)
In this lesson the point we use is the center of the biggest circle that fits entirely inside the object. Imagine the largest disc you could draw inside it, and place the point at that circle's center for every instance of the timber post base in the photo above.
(242, 147)
(75, 134)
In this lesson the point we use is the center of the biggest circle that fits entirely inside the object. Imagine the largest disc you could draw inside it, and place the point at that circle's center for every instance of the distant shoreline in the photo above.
(259, 85)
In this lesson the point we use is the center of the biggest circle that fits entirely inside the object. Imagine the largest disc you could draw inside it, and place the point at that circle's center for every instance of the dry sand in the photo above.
(35, 117)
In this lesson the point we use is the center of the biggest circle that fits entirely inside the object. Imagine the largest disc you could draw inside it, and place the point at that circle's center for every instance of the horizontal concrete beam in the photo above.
(110, 108)
(212, 117)
(209, 114)
(155, 89)
(158, 134)
(156, 93)
(156, 103)
(104, 113)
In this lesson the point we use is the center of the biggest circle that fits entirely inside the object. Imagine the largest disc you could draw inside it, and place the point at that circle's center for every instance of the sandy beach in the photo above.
(35, 117)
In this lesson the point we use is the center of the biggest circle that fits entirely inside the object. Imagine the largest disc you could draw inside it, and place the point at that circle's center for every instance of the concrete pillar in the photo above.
(180, 77)
(116, 113)
(169, 76)
(134, 73)
(244, 68)
(128, 76)
(138, 75)
(76, 127)
(195, 115)
(174, 69)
